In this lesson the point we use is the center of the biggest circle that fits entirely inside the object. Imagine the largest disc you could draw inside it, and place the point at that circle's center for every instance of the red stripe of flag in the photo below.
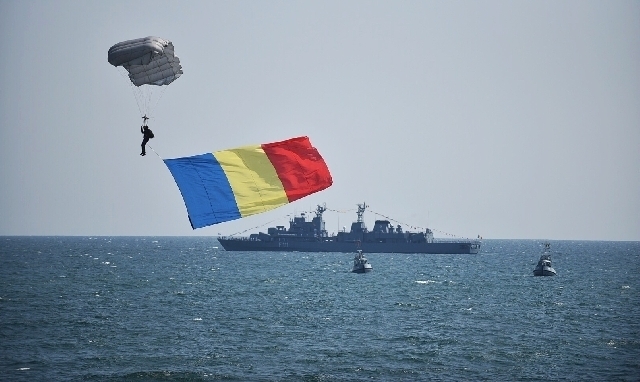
(299, 166)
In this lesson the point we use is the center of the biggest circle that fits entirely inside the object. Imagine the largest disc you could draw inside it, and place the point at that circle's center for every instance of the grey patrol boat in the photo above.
(360, 263)
(311, 236)
(544, 268)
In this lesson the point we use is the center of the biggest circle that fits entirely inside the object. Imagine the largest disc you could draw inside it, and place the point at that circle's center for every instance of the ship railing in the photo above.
(446, 240)
(237, 238)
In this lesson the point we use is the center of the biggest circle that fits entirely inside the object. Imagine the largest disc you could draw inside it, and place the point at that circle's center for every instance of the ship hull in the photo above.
(544, 271)
(332, 246)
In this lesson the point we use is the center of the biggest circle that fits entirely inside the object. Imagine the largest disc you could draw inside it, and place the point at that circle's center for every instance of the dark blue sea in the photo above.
(183, 309)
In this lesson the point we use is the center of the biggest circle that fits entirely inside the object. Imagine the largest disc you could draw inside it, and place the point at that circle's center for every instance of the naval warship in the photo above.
(311, 236)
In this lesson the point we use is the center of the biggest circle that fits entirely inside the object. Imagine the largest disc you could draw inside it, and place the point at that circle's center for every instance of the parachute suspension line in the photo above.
(144, 96)
(136, 92)
(147, 94)
(153, 106)
(148, 98)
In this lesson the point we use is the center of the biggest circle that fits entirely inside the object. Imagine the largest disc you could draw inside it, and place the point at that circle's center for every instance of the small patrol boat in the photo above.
(543, 268)
(360, 263)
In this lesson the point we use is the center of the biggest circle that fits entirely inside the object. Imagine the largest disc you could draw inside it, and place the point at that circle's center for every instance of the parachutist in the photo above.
(146, 135)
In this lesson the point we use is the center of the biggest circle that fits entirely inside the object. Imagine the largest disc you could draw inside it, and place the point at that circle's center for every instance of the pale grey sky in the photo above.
(508, 119)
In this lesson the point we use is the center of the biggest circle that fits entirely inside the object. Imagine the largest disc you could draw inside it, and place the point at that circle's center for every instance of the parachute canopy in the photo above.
(149, 60)
(232, 184)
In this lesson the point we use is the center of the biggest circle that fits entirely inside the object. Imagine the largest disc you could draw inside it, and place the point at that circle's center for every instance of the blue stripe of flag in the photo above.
(205, 189)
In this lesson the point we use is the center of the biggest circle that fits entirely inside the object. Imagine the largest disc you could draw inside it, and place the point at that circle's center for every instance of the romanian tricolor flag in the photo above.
(232, 184)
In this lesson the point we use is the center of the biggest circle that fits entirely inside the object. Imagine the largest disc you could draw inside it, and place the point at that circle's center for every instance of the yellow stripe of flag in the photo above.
(253, 179)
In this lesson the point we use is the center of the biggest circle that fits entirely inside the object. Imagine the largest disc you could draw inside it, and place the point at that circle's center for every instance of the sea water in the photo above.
(183, 309)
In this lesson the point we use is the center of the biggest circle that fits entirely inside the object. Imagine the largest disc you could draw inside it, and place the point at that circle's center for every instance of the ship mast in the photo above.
(320, 230)
(320, 210)
(361, 208)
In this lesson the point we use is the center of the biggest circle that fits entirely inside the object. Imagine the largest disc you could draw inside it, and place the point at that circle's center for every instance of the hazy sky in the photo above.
(507, 119)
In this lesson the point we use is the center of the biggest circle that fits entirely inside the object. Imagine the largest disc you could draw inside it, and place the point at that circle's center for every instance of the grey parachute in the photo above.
(147, 62)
